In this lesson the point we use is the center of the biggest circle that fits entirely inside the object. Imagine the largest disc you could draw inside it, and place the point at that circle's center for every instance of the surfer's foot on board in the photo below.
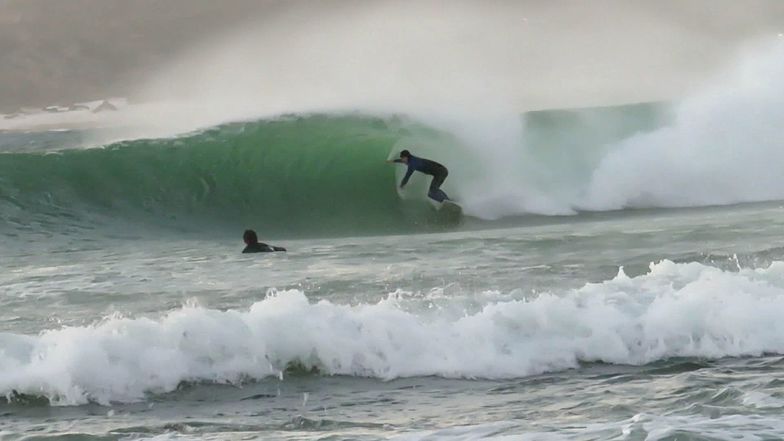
(438, 196)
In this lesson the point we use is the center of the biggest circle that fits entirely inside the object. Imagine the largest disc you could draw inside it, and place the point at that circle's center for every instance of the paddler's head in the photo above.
(405, 155)
(249, 236)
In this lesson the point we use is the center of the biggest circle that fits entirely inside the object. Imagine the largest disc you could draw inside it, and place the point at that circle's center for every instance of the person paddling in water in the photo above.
(428, 167)
(254, 246)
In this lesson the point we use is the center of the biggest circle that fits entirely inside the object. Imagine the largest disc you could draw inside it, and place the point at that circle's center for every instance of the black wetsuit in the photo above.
(428, 167)
(260, 247)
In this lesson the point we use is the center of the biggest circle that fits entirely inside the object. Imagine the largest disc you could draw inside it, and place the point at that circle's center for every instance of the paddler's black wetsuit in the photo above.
(260, 247)
(428, 167)
(254, 246)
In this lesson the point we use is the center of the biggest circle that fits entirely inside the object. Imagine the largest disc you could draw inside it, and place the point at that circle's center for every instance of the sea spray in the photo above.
(723, 147)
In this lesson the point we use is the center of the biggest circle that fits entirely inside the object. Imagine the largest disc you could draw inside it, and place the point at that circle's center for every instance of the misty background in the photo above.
(58, 52)
(556, 52)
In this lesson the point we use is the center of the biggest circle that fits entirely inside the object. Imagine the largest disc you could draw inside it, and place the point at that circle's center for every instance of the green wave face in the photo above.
(310, 176)
(295, 176)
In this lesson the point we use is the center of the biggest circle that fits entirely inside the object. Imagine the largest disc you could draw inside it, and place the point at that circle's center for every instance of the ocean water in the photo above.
(128, 312)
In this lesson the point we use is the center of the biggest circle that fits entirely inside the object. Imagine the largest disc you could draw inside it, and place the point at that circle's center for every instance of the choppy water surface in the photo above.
(528, 332)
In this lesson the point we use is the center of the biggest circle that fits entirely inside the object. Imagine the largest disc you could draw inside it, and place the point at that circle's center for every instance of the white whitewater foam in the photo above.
(724, 146)
(676, 310)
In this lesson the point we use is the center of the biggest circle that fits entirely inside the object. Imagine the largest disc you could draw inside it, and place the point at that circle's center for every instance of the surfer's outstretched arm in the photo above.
(409, 172)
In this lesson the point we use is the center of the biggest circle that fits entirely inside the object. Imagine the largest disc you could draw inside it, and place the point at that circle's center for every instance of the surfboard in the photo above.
(449, 212)
(450, 206)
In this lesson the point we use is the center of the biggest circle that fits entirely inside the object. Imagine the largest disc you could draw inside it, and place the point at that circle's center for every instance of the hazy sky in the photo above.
(61, 51)
(66, 50)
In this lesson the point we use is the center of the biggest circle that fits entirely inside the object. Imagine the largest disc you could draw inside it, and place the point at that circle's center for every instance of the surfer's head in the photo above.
(405, 155)
(249, 236)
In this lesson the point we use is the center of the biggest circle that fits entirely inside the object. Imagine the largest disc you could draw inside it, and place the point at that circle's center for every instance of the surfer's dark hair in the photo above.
(249, 236)
(405, 154)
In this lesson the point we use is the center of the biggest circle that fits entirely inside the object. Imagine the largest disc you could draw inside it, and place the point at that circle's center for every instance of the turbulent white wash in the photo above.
(673, 310)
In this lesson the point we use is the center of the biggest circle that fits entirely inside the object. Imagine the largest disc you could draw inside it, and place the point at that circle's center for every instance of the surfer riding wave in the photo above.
(428, 167)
